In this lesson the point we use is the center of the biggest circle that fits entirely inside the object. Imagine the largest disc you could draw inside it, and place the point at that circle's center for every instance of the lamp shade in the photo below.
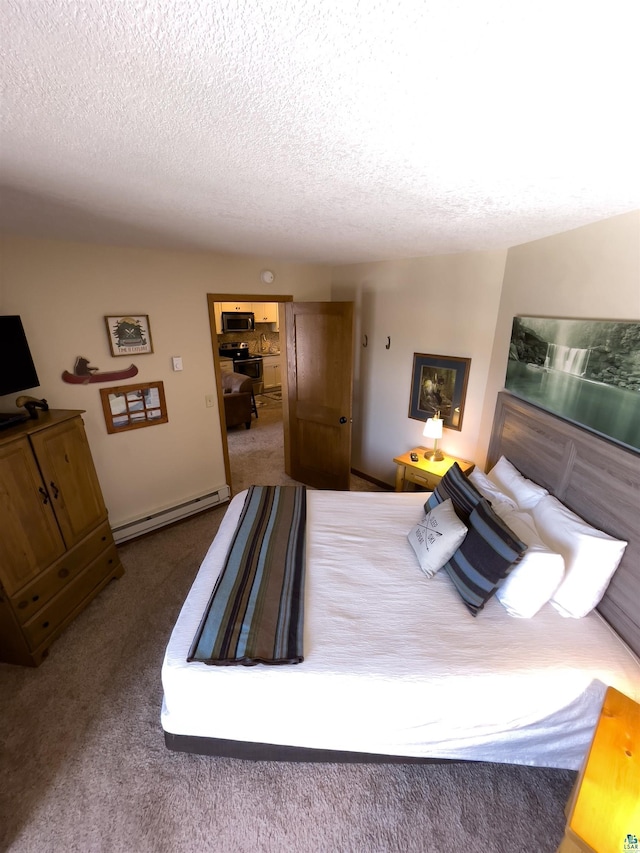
(433, 428)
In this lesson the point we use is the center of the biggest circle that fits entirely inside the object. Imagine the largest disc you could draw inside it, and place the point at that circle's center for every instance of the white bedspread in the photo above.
(394, 663)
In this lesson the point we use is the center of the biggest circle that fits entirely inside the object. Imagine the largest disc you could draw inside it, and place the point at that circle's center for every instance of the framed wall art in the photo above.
(439, 384)
(129, 334)
(134, 406)
(586, 371)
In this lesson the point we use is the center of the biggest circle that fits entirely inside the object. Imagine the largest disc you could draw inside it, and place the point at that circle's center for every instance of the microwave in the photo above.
(238, 321)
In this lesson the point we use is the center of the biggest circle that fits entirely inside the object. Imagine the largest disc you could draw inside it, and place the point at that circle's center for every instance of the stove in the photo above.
(244, 362)
(236, 350)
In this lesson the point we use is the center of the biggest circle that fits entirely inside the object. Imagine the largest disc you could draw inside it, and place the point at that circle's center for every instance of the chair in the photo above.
(237, 393)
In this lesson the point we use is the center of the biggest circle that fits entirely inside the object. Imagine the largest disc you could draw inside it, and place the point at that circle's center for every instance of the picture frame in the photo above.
(129, 334)
(584, 370)
(128, 407)
(439, 384)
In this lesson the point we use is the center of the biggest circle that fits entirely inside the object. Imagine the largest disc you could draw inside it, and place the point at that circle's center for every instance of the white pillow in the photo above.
(437, 537)
(536, 577)
(500, 502)
(508, 479)
(590, 556)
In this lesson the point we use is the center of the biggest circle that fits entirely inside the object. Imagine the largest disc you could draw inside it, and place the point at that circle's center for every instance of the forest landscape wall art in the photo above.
(587, 371)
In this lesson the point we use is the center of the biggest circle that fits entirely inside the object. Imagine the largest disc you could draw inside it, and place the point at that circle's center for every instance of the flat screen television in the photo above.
(17, 370)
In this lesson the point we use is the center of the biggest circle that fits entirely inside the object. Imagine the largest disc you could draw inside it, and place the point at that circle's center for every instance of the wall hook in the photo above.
(388, 344)
(365, 341)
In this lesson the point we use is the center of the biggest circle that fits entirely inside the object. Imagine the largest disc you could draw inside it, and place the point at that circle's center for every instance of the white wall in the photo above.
(64, 290)
(445, 305)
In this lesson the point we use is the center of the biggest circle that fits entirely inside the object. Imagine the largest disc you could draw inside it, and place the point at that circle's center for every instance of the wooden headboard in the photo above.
(597, 479)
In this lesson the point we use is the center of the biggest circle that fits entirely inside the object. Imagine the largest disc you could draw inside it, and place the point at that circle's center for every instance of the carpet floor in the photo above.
(83, 766)
(256, 455)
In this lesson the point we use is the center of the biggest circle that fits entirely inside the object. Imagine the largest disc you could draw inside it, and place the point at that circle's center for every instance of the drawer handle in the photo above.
(22, 605)
(104, 538)
(45, 496)
(63, 573)
(45, 624)
(35, 598)
(54, 489)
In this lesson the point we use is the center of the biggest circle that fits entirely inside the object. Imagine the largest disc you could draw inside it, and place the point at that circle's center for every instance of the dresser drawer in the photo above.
(51, 581)
(49, 617)
(425, 479)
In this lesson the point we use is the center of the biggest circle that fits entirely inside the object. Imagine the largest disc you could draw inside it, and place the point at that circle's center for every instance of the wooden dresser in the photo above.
(56, 547)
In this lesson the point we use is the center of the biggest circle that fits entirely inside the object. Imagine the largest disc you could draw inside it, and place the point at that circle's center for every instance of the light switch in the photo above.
(177, 362)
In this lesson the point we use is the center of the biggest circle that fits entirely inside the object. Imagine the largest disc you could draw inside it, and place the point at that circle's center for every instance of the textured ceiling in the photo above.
(332, 130)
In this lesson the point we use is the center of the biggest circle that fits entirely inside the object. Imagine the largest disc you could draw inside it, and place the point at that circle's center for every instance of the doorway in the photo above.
(253, 455)
(315, 426)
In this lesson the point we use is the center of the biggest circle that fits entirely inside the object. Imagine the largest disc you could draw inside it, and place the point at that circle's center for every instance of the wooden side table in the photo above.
(424, 472)
(603, 812)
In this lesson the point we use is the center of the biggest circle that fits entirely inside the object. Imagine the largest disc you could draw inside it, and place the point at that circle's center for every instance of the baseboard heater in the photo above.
(162, 517)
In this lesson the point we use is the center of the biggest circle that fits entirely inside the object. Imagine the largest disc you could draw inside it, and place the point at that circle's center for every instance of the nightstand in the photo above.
(603, 812)
(425, 472)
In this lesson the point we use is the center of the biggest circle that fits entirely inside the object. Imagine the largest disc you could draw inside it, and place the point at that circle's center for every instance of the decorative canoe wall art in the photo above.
(83, 373)
(587, 371)
(128, 334)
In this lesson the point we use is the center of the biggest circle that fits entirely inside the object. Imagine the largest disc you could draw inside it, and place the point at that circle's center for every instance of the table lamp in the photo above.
(433, 429)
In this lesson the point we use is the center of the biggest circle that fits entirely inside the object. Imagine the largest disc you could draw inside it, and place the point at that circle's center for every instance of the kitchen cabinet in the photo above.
(237, 306)
(271, 371)
(56, 547)
(217, 314)
(265, 312)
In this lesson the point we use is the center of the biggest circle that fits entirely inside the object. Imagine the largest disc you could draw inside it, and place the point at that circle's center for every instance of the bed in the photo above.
(396, 668)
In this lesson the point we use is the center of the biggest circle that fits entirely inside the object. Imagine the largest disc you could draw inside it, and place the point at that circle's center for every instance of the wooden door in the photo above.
(29, 536)
(317, 403)
(67, 467)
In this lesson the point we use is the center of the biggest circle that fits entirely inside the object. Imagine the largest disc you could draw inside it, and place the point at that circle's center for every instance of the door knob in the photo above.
(343, 420)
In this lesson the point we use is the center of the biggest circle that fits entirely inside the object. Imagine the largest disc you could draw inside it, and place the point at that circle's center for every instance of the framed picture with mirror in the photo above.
(133, 406)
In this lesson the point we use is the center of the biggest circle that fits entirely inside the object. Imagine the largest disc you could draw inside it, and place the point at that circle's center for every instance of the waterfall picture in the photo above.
(587, 371)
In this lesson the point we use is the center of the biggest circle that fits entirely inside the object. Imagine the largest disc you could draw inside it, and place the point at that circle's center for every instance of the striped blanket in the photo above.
(255, 613)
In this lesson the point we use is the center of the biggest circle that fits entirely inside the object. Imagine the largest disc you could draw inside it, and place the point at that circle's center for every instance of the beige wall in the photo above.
(591, 272)
(460, 305)
(445, 305)
(64, 290)
(463, 305)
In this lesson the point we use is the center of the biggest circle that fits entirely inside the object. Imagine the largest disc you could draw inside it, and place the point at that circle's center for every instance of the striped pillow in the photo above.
(488, 553)
(460, 489)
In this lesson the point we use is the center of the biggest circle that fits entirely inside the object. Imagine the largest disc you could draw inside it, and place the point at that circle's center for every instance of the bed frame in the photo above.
(596, 478)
